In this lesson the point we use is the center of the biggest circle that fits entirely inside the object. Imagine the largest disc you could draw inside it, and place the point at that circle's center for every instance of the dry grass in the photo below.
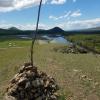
(78, 75)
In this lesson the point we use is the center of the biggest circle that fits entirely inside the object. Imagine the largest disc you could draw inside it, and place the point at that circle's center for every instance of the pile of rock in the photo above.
(31, 84)
(71, 49)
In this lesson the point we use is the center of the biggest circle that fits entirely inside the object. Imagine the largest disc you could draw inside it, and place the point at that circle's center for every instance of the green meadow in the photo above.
(78, 75)
(90, 41)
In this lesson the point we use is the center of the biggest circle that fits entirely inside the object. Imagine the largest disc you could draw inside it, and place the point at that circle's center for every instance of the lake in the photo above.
(55, 39)
(48, 39)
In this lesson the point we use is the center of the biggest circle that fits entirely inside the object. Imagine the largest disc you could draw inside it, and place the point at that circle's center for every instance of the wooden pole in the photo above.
(36, 32)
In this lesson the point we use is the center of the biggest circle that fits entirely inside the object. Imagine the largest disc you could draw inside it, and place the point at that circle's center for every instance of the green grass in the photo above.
(67, 69)
(87, 40)
(6, 42)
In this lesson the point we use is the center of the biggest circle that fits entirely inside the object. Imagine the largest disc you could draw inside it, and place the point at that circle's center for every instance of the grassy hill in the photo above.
(53, 31)
(89, 41)
(15, 31)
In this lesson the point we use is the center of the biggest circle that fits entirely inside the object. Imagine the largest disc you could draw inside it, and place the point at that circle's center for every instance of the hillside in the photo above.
(53, 31)
(13, 28)
(15, 31)
(84, 31)
(95, 28)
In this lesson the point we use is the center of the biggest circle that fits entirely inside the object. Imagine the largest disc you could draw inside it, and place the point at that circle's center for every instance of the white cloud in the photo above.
(68, 25)
(9, 5)
(58, 1)
(23, 26)
(76, 14)
(80, 24)
(69, 14)
(60, 17)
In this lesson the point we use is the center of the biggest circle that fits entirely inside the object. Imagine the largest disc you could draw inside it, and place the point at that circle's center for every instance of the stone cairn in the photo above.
(71, 49)
(31, 84)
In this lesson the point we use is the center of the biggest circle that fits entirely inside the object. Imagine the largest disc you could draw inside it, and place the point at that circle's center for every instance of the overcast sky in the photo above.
(67, 14)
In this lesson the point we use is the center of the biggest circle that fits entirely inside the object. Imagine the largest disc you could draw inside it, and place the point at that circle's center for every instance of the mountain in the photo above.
(95, 28)
(56, 30)
(53, 31)
(15, 31)
(13, 28)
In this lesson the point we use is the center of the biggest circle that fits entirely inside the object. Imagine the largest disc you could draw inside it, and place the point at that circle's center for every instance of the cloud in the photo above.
(9, 5)
(76, 14)
(6, 3)
(68, 25)
(23, 26)
(60, 17)
(69, 14)
(58, 1)
(80, 24)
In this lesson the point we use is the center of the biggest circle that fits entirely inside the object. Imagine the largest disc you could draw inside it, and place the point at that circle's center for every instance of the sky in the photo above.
(66, 14)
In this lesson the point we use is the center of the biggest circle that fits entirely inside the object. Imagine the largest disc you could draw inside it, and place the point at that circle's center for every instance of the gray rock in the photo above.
(9, 97)
(31, 84)
(22, 81)
(28, 85)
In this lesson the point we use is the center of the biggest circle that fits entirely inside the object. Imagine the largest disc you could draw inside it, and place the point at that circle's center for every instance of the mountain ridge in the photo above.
(53, 31)
(16, 31)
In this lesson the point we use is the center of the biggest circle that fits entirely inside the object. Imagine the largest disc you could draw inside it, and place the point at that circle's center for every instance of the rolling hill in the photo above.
(53, 31)
(15, 31)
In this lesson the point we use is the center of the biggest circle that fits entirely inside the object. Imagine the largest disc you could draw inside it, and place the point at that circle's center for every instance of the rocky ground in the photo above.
(71, 49)
(31, 84)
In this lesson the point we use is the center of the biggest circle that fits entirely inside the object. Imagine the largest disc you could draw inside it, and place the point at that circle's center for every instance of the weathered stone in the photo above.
(21, 69)
(47, 83)
(28, 85)
(53, 97)
(22, 81)
(9, 97)
(31, 84)
(27, 64)
(71, 49)
(29, 68)
(39, 98)
(36, 83)
(30, 74)
(20, 89)
(22, 94)
(12, 91)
